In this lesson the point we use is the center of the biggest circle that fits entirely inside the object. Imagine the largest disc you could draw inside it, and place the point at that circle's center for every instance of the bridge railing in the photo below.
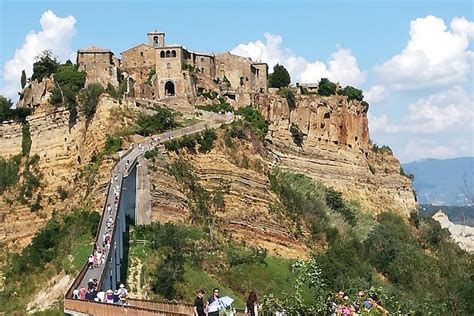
(105, 309)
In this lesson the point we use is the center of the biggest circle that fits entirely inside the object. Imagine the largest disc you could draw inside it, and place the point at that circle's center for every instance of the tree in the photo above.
(23, 79)
(326, 87)
(5, 108)
(45, 65)
(280, 77)
(352, 93)
(296, 134)
(88, 99)
(289, 95)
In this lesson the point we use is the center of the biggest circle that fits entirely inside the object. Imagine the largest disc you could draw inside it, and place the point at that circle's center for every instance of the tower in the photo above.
(156, 39)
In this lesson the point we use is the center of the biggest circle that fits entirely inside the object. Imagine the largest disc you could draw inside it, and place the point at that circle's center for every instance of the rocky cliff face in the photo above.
(36, 94)
(248, 214)
(336, 149)
(64, 153)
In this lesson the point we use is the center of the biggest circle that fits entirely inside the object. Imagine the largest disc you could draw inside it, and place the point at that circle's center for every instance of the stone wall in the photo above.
(99, 66)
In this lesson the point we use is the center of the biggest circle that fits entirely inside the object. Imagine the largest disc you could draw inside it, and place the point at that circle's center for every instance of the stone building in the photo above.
(157, 70)
(100, 65)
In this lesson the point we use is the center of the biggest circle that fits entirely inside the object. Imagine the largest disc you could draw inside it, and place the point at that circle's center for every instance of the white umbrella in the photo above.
(220, 304)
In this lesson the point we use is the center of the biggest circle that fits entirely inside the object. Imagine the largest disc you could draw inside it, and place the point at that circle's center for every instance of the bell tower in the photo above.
(156, 39)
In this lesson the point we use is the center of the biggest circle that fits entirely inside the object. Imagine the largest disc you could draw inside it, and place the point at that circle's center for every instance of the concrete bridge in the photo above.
(121, 201)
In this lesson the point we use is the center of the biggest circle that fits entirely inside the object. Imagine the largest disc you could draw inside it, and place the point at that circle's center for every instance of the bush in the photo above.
(335, 201)
(279, 78)
(289, 95)
(112, 145)
(63, 194)
(159, 122)
(206, 141)
(385, 149)
(9, 172)
(241, 255)
(7, 113)
(151, 73)
(326, 87)
(254, 119)
(88, 99)
(25, 139)
(352, 93)
(296, 134)
(45, 65)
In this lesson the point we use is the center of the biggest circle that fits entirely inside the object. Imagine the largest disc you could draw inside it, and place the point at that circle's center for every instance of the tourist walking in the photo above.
(251, 306)
(199, 303)
(214, 297)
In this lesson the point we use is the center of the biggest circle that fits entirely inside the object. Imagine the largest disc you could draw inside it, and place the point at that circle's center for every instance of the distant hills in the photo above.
(441, 182)
(463, 215)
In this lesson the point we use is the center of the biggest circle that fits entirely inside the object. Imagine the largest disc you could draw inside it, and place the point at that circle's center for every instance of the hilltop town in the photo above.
(201, 149)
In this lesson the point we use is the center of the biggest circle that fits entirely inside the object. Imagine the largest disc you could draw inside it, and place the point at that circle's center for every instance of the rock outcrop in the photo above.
(463, 235)
(64, 153)
(37, 94)
(336, 149)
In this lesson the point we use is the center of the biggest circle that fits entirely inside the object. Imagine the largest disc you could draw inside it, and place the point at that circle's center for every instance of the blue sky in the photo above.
(362, 37)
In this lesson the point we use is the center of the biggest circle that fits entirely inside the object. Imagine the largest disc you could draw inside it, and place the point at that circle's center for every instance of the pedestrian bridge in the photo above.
(123, 200)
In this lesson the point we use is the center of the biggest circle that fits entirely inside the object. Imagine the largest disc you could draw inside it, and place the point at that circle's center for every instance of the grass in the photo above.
(81, 250)
(196, 279)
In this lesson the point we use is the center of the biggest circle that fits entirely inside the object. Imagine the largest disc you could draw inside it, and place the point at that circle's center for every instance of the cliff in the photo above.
(65, 154)
(336, 150)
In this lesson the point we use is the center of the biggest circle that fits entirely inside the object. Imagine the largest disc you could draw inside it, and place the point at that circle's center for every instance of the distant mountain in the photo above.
(441, 182)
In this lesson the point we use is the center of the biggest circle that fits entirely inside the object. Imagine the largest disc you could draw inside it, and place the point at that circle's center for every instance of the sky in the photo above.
(414, 60)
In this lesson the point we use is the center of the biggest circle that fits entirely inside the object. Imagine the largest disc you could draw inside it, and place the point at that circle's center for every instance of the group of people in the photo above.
(118, 296)
(203, 309)
(340, 304)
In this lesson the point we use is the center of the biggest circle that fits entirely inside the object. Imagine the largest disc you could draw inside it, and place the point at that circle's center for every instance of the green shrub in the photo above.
(303, 199)
(326, 87)
(352, 93)
(289, 95)
(279, 77)
(240, 255)
(206, 141)
(335, 201)
(296, 134)
(7, 113)
(151, 73)
(112, 145)
(63, 194)
(255, 120)
(45, 65)
(89, 98)
(159, 122)
(25, 139)
(9, 172)
(410, 176)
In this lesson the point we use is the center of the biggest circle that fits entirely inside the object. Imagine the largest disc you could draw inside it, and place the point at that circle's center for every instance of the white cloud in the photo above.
(431, 148)
(55, 34)
(341, 67)
(452, 108)
(438, 126)
(434, 55)
(441, 111)
(375, 94)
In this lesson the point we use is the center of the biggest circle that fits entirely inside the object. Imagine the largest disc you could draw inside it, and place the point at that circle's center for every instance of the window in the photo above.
(162, 54)
(173, 53)
(168, 65)
(141, 54)
(202, 59)
(168, 53)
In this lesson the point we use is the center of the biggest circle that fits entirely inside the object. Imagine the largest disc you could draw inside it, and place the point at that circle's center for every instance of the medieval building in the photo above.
(156, 70)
